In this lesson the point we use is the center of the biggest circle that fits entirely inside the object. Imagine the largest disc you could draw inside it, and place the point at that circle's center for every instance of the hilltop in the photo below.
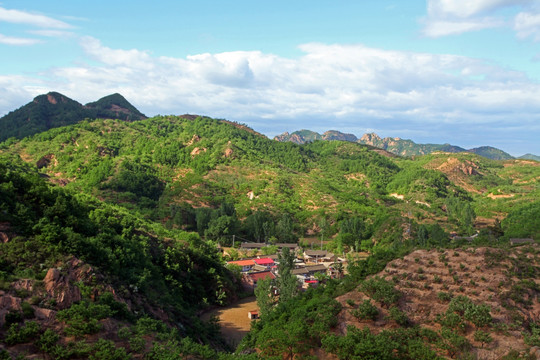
(54, 110)
(394, 145)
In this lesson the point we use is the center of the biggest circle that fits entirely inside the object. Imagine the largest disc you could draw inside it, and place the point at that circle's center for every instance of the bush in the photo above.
(400, 317)
(18, 334)
(366, 310)
(381, 290)
(482, 337)
(444, 296)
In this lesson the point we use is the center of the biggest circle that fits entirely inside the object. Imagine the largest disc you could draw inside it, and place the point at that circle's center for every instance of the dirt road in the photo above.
(234, 320)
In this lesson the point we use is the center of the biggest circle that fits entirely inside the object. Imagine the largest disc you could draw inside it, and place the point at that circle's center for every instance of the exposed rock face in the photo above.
(228, 152)
(370, 139)
(8, 303)
(61, 289)
(195, 139)
(60, 284)
(338, 135)
(197, 151)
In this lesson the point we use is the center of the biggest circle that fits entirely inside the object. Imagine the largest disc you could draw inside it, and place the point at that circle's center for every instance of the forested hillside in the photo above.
(117, 224)
(55, 110)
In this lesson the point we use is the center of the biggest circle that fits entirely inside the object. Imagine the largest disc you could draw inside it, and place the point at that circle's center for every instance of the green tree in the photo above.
(287, 283)
(265, 298)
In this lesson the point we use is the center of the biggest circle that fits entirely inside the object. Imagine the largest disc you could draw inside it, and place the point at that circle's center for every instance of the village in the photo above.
(310, 266)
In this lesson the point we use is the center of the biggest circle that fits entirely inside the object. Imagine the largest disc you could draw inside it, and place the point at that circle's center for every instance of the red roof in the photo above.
(262, 275)
(242, 262)
(264, 261)
(311, 281)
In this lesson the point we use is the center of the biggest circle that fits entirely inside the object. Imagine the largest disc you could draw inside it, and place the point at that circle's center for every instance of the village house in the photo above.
(249, 281)
(316, 256)
(252, 246)
(306, 275)
(265, 262)
(294, 248)
(246, 265)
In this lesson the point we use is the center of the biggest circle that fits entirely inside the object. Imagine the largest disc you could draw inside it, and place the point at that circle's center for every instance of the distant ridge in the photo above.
(53, 110)
(393, 145)
(530, 157)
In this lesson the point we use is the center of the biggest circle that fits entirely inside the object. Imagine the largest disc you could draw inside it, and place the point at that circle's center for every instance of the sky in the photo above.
(438, 71)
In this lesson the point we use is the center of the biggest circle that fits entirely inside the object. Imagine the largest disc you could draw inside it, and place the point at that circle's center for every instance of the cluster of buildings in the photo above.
(307, 264)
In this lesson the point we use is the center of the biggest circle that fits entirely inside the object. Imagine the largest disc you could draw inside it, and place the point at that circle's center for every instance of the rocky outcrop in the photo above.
(60, 288)
(196, 151)
(60, 283)
(194, 139)
(8, 303)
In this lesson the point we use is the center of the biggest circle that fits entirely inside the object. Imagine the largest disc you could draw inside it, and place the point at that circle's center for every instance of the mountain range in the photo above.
(54, 110)
(395, 145)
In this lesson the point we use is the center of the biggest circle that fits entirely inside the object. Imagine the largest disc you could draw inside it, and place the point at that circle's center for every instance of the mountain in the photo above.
(115, 106)
(55, 110)
(491, 153)
(403, 147)
(304, 136)
(394, 145)
(530, 157)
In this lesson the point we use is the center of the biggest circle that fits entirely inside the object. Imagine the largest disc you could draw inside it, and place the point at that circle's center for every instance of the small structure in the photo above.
(516, 241)
(253, 314)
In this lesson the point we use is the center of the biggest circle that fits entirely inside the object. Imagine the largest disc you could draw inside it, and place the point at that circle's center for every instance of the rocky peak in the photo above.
(370, 138)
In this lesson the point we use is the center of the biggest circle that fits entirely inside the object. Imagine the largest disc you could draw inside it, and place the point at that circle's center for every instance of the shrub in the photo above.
(381, 290)
(18, 334)
(400, 317)
(444, 296)
(366, 310)
(482, 337)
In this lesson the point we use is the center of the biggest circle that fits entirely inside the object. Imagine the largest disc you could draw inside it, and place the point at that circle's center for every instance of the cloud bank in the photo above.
(350, 87)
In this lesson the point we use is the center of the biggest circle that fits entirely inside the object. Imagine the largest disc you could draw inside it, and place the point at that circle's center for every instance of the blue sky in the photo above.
(437, 71)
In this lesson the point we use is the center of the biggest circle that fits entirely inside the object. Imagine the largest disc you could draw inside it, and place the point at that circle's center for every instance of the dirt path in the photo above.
(234, 320)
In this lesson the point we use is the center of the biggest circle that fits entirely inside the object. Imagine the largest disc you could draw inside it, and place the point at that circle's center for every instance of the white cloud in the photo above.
(527, 25)
(22, 17)
(351, 84)
(453, 17)
(10, 40)
(438, 28)
(52, 33)
(468, 8)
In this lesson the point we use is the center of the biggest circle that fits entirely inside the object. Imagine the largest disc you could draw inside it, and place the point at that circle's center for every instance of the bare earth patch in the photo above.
(234, 320)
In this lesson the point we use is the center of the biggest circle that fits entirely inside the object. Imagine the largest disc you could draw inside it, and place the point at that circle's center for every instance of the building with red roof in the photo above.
(246, 265)
(265, 262)
(249, 281)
